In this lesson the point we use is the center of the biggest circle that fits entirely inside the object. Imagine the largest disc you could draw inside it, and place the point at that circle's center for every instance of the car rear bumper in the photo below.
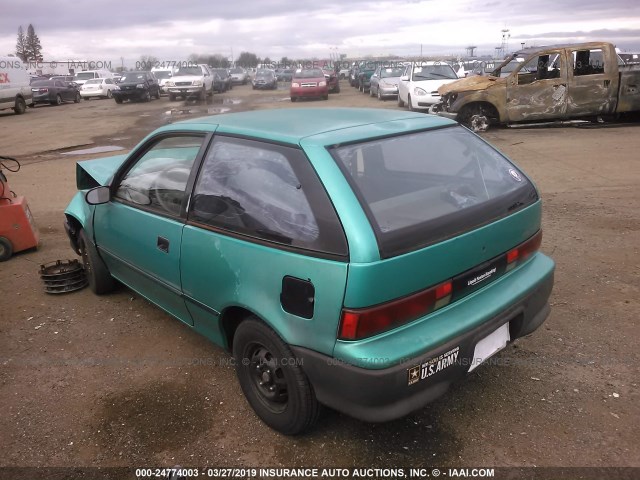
(378, 395)
(309, 92)
(92, 93)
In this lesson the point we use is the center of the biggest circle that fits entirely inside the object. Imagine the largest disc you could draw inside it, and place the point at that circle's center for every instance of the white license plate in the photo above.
(490, 345)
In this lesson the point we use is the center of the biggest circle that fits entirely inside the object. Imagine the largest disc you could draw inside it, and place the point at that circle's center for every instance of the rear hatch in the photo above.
(448, 212)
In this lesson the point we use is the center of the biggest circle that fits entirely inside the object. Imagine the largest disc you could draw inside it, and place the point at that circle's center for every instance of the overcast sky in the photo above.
(114, 29)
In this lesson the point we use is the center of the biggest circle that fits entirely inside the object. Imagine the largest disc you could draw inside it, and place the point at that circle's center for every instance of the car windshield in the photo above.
(84, 75)
(433, 72)
(160, 74)
(132, 77)
(188, 71)
(313, 73)
(42, 83)
(390, 72)
(220, 71)
(237, 70)
(93, 80)
(264, 73)
(421, 188)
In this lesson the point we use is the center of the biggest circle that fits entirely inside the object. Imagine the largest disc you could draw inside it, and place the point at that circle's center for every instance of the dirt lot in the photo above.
(113, 381)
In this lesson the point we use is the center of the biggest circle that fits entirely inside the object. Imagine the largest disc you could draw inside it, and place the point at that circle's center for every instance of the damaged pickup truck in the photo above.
(560, 82)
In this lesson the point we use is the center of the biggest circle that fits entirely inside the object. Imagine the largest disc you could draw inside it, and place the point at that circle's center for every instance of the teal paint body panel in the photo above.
(127, 239)
(423, 335)
(221, 271)
(79, 209)
(101, 170)
(378, 282)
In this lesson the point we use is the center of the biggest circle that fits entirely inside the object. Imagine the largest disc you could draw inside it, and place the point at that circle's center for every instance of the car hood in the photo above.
(390, 80)
(92, 173)
(469, 84)
(130, 84)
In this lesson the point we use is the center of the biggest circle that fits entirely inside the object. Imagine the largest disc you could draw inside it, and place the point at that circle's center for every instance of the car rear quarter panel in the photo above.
(220, 272)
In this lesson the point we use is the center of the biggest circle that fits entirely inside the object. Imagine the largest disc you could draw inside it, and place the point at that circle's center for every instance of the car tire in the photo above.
(78, 98)
(337, 90)
(100, 280)
(409, 104)
(370, 92)
(400, 102)
(6, 248)
(109, 94)
(172, 97)
(293, 99)
(157, 95)
(147, 96)
(325, 97)
(202, 96)
(57, 101)
(20, 106)
(379, 95)
(277, 388)
(118, 99)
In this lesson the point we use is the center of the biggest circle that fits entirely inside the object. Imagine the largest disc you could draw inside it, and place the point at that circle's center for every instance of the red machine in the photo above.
(17, 229)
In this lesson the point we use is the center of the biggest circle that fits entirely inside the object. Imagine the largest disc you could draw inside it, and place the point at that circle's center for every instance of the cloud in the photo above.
(124, 29)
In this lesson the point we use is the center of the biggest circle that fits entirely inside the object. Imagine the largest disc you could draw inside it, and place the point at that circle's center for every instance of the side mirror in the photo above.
(404, 78)
(98, 196)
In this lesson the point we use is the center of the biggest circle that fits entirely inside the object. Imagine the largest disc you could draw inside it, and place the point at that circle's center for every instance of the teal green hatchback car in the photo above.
(357, 258)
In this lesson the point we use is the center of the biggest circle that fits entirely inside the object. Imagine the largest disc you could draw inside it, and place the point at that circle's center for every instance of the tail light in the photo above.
(364, 322)
(356, 324)
(524, 250)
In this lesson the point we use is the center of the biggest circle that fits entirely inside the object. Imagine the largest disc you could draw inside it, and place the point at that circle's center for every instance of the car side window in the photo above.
(588, 62)
(158, 179)
(265, 191)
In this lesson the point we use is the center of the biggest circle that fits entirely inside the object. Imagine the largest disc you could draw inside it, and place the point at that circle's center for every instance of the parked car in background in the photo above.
(333, 82)
(136, 86)
(287, 74)
(54, 92)
(353, 76)
(239, 76)
(419, 83)
(225, 76)
(80, 77)
(191, 81)
(162, 75)
(309, 83)
(64, 78)
(265, 79)
(343, 73)
(364, 79)
(336, 202)
(384, 82)
(98, 88)
(15, 86)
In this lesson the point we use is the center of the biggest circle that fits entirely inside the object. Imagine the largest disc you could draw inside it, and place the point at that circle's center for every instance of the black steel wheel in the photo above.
(273, 382)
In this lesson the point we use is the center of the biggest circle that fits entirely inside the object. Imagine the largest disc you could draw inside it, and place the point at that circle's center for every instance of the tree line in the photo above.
(28, 47)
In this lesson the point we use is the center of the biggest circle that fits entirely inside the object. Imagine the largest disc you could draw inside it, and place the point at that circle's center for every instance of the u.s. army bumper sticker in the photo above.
(432, 366)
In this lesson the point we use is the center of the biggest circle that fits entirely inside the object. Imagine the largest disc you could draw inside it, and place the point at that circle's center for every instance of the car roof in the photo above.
(294, 124)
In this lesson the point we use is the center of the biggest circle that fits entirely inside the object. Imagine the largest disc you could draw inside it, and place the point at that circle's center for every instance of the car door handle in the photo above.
(163, 244)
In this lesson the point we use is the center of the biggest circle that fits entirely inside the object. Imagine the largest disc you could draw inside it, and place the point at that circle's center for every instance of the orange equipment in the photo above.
(17, 229)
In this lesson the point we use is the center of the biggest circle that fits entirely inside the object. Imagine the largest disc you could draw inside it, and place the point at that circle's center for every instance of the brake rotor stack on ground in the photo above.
(63, 276)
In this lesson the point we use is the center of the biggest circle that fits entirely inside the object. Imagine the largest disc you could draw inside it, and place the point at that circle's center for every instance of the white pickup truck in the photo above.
(190, 81)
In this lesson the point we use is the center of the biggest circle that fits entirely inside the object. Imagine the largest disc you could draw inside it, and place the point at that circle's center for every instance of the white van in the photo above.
(81, 77)
(15, 91)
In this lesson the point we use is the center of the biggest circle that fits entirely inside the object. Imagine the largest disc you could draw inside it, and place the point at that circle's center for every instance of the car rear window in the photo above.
(421, 188)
